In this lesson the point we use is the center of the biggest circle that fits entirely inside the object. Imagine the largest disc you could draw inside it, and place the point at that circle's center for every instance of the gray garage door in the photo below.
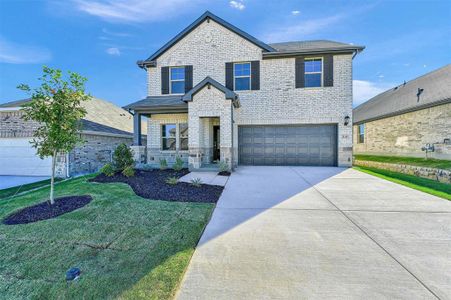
(290, 145)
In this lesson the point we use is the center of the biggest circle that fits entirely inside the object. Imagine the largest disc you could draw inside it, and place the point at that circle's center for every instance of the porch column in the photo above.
(137, 129)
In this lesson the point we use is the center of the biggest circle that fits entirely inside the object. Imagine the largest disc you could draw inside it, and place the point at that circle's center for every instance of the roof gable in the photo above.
(428, 90)
(195, 24)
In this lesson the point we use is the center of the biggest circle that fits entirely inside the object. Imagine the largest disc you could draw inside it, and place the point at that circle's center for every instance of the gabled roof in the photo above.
(101, 116)
(313, 46)
(208, 80)
(173, 103)
(436, 90)
(197, 22)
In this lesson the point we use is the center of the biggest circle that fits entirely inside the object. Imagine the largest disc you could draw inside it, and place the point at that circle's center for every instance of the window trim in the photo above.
(322, 72)
(175, 80)
(162, 138)
(361, 135)
(241, 76)
(179, 146)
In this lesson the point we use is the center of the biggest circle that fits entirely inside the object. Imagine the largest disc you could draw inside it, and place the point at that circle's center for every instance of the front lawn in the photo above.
(429, 186)
(25, 187)
(126, 246)
(414, 161)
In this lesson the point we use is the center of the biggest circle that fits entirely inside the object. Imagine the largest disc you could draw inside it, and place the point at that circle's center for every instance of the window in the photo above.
(177, 80)
(242, 76)
(361, 137)
(313, 72)
(183, 127)
(168, 137)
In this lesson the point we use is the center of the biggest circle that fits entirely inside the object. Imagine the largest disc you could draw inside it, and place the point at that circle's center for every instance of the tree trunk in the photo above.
(52, 180)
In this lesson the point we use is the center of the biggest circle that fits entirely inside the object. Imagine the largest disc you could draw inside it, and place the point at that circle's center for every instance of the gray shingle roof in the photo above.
(174, 101)
(101, 116)
(314, 45)
(17, 103)
(436, 87)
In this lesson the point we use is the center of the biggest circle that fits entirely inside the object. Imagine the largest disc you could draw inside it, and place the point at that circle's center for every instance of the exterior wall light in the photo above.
(347, 119)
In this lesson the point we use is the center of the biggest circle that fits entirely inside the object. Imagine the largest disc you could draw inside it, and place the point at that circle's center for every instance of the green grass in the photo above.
(414, 161)
(23, 188)
(429, 186)
(127, 247)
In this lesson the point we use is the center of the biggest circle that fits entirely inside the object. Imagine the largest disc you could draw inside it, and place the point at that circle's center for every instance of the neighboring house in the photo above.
(104, 127)
(217, 93)
(404, 119)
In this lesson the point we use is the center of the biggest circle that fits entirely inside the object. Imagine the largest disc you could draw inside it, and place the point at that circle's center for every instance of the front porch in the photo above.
(198, 127)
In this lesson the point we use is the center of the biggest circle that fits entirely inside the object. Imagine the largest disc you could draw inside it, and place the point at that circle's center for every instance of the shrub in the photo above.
(163, 164)
(223, 166)
(178, 165)
(108, 170)
(172, 180)
(128, 171)
(197, 182)
(123, 157)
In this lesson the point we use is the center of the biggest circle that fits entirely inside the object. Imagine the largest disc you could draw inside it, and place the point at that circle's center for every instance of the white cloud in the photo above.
(301, 29)
(295, 12)
(13, 53)
(290, 30)
(113, 51)
(135, 11)
(365, 90)
(237, 4)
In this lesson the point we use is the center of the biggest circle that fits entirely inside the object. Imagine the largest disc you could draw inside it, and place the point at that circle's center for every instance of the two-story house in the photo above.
(217, 93)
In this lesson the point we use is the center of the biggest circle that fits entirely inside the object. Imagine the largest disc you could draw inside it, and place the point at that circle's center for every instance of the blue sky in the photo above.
(102, 40)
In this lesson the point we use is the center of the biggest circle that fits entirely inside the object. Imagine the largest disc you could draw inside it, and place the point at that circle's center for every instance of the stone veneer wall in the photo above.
(405, 134)
(94, 153)
(209, 46)
(429, 173)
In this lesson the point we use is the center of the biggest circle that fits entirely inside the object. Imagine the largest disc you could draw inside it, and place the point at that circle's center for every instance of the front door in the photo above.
(216, 143)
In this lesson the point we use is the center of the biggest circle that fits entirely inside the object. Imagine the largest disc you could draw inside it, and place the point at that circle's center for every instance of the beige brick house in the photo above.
(217, 93)
(403, 120)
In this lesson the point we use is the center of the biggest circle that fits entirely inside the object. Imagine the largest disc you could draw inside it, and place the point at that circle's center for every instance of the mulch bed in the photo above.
(44, 211)
(152, 185)
(224, 173)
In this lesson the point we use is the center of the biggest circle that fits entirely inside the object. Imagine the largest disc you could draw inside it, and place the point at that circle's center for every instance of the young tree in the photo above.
(56, 105)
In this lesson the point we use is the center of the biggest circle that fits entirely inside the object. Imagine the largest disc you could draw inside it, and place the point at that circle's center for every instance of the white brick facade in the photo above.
(209, 46)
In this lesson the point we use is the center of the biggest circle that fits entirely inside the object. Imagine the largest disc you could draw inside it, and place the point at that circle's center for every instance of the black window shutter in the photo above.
(300, 72)
(164, 80)
(229, 76)
(255, 75)
(188, 78)
(328, 70)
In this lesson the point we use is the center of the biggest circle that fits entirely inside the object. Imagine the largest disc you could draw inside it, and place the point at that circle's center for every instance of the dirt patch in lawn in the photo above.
(224, 173)
(44, 211)
(152, 185)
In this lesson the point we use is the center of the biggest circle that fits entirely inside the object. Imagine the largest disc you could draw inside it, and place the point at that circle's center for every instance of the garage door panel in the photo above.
(19, 158)
(288, 145)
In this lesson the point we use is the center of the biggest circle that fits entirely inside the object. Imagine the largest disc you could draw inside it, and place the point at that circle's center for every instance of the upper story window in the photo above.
(177, 80)
(168, 137)
(242, 76)
(313, 72)
(361, 137)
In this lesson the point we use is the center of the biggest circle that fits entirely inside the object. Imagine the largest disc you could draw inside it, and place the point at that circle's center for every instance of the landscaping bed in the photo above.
(126, 247)
(45, 211)
(152, 185)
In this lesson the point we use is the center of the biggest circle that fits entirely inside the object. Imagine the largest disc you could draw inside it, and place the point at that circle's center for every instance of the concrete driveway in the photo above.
(7, 181)
(319, 233)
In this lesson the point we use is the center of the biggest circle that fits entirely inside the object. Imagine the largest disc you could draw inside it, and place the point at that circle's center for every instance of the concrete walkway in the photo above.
(320, 233)
(7, 181)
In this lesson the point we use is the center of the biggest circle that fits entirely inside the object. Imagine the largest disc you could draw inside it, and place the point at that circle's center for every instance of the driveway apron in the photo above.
(321, 232)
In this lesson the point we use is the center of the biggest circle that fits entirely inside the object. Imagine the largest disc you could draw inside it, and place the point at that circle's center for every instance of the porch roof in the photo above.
(208, 80)
(155, 104)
